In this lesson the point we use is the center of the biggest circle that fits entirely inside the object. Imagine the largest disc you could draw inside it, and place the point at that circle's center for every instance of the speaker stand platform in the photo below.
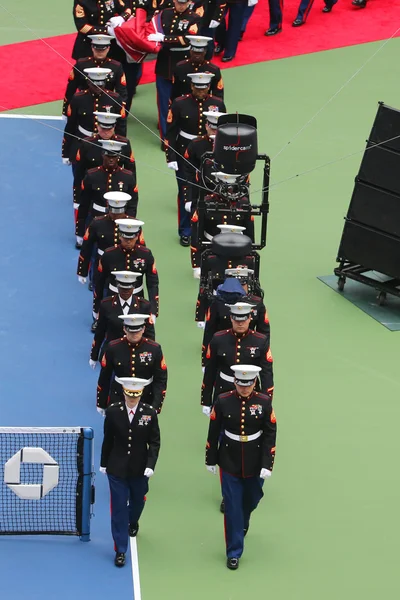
(372, 298)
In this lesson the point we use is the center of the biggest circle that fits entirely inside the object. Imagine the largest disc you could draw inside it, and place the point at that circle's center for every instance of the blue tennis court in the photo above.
(45, 340)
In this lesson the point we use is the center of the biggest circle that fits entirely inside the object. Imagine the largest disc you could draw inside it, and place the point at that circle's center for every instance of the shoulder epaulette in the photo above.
(121, 137)
(227, 394)
(84, 58)
(114, 404)
(94, 170)
(262, 396)
(259, 335)
(223, 332)
(182, 97)
(127, 171)
(109, 249)
(108, 299)
(115, 342)
(81, 93)
(114, 62)
(151, 342)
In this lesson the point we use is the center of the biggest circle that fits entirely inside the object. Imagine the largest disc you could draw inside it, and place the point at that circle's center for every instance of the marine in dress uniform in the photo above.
(78, 81)
(81, 121)
(133, 356)
(276, 13)
(186, 121)
(237, 214)
(109, 326)
(174, 23)
(212, 13)
(91, 18)
(127, 256)
(90, 151)
(196, 63)
(129, 455)
(242, 441)
(218, 315)
(236, 345)
(100, 180)
(101, 234)
(228, 35)
(215, 266)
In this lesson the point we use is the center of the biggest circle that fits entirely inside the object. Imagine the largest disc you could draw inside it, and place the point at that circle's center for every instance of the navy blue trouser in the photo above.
(275, 13)
(132, 489)
(133, 73)
(228, 37)
(164, 88)
(246, 17)
(241, 496)
(184, 224)
(304, 9)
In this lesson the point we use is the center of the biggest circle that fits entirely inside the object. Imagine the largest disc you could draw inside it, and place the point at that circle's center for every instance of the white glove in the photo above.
(196, 274)
(203, 369)
(103, 470)
(188, 207)
(95, 315)
(110, 30)
(265, 473)
(66, 161)
(153, 318)
(101, 411)
(213, 24)
(206, 410)
(92, 363)
(148, 472)
(116, 21)
(201, 324)
(173, 165)
(82, 280)
(156, 37)
(79, 239)
(212, 469)
(252, 2)
(64, 117)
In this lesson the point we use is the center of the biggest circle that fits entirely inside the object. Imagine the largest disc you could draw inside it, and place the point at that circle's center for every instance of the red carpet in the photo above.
(36, 74)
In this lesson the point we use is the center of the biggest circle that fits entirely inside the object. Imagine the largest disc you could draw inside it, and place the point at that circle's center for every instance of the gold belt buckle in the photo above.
(244, 438)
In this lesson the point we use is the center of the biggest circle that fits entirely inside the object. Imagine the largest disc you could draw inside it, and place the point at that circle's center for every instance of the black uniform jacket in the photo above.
(186, 115)
(123, 359)
(90, 17)
(130, 447)
(81, 122)
(218, 318)
(78, 79)
(228, 348)
(175, 46)
(244, 417)
(90, 155)
(181, 83)
(139, 260)
(95, 184)
(110, 327)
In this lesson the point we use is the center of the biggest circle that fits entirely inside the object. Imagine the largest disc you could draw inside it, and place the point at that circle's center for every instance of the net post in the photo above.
(88, 435)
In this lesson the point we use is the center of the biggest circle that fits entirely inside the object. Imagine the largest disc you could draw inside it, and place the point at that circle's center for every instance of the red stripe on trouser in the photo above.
(220, 479)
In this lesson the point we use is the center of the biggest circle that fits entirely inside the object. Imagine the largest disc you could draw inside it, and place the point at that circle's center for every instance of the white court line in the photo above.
(42, 117)
(135, 569)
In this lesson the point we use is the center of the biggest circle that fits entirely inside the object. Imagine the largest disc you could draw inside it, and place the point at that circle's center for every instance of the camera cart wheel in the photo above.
(381, 298)
(341, 282)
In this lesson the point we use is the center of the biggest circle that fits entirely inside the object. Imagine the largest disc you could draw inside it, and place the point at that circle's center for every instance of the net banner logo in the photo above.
(31, 491)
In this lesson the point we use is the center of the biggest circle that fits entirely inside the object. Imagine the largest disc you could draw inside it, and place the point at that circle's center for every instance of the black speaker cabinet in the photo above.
(373, 250)
(381, 167)
(375, 208)
(386, 127)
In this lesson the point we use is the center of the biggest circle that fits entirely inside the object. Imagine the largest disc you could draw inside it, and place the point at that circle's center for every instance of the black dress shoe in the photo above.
(185, 240)
(218, 49)
(93, 327)
(232, 563)
(327, 9)
(273, 30)
(360, 3)
(298, 23)
(119, 560)
(227, 58)
(133, 529)
(222, 506)
(90, 287)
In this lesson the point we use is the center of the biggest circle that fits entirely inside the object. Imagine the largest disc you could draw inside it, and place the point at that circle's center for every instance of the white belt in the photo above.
(99, 208)
(115, 289)
(185, 49)
(208, 236)
(85, 131)
(101, 252)
(243, 438)
(188, 136)
(227, 377)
